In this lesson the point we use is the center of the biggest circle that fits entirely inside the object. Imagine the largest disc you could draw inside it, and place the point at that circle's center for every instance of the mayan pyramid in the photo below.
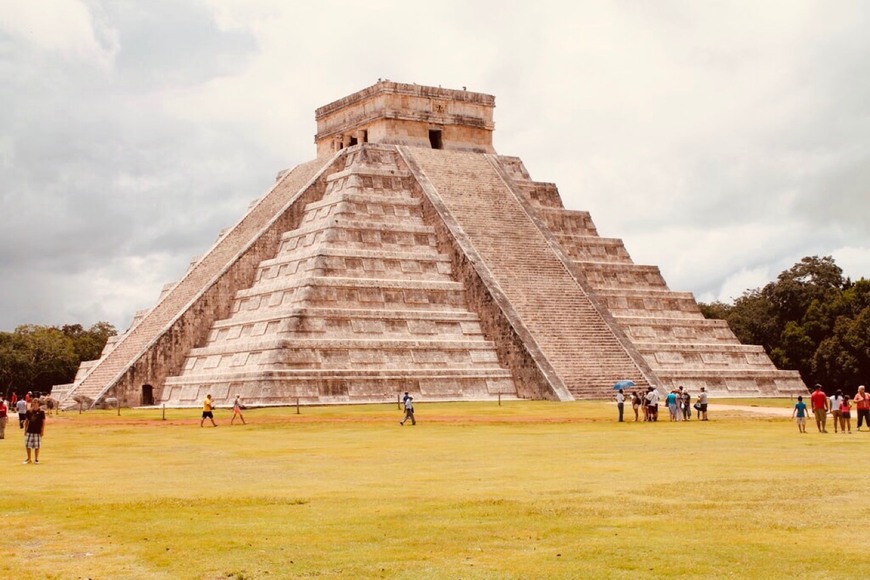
(409, 256)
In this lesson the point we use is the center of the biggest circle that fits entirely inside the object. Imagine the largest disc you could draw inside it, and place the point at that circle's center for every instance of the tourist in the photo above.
(652, 404)
(671, 402)
(3, 418)
(800, 415)
(34, 431)
(834, 406)
(845, 415)
(635, 405)
(409, 411)
(702, 402)
(620, 403)
(207, 407)
(687, 406)
(21, 407)
(237, 411)
(862, 403)
(819, 402)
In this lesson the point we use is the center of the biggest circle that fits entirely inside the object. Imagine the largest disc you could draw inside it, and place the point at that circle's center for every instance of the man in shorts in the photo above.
(21, 408)
(819, 402)
(207, 407)
(652, 404)
(34, 431)
(702, 404)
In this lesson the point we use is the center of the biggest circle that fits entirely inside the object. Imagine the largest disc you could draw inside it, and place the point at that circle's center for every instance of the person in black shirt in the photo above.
(34, 429)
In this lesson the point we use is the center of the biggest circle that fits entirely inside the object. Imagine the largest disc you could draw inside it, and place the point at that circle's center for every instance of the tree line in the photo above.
(810, 319)
(34, 358)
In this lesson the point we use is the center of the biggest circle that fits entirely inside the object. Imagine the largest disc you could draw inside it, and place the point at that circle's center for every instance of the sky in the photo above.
(721, 141)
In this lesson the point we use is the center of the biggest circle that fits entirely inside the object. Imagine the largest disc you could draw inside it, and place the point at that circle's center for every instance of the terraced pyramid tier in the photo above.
(357, 305)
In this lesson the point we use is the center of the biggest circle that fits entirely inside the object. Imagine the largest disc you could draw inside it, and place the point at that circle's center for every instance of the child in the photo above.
(800, 415)
(845, 415)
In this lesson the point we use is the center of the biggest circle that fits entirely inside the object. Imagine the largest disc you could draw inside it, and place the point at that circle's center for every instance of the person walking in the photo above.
(834, 406)
(4, 410)
(409, 411)
(21, 407)
(819, 402)
(702, 402)
(620, 403)
(34, 431)
(862, 404)
(799, 414)
(237, 411)
(207, 411)
(845, 415)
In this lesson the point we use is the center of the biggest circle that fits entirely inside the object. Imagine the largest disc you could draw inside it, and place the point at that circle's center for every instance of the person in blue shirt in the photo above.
(800, 415)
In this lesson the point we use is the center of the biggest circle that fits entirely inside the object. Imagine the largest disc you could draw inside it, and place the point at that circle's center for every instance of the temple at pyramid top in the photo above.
(402, 114)
(409, 256)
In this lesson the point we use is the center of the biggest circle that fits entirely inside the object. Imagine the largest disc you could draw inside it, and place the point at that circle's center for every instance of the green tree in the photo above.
(34, 358)
(811, 319)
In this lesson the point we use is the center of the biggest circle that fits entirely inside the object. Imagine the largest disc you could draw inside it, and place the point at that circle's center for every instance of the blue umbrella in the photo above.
(622, 385)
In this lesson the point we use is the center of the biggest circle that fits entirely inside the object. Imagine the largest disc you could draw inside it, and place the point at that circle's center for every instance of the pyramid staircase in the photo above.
(357, 305)
(544, 297)
(667, 328)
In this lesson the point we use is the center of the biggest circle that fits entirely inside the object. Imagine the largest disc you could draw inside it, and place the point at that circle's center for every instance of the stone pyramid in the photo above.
(409, 256)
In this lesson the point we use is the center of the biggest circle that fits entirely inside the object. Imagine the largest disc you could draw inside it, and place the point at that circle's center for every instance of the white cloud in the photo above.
(723, 142)
(65, 28)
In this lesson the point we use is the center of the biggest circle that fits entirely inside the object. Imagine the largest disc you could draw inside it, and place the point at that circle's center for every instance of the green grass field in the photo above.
(525, 490)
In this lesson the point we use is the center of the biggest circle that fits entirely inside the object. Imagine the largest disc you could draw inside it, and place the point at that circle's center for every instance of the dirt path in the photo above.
(770, 411)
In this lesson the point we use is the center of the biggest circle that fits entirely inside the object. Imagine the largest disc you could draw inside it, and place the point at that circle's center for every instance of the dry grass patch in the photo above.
(528, 489)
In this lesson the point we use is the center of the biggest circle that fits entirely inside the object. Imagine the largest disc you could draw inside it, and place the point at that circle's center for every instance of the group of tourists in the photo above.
(678, 402)
(31, 420)
(838, 405)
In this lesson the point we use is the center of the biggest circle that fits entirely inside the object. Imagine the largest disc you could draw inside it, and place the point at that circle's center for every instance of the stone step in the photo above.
(541, 194)
(322, 343)
(350, 314)
(593, 249)
(602, 275)
(331, 386)
(735, 383)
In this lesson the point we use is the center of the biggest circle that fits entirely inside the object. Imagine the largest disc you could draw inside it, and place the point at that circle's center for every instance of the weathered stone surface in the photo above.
(410, 257)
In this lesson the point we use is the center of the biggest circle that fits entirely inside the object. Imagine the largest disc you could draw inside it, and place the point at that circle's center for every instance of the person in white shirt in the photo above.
(836, 399)
(620, 403)
(652, 404)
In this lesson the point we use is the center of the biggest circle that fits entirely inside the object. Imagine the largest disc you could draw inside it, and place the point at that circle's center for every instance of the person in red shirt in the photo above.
(819, 402)
(862, 404)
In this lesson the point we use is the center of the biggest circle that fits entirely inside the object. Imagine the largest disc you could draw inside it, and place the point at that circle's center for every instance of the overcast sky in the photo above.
(722, 141)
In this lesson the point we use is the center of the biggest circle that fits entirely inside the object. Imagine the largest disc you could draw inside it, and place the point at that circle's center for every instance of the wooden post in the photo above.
(399, 401)
(80, 407)
(297, 405)
(119, 407)
(499, 399)
(164, 411)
